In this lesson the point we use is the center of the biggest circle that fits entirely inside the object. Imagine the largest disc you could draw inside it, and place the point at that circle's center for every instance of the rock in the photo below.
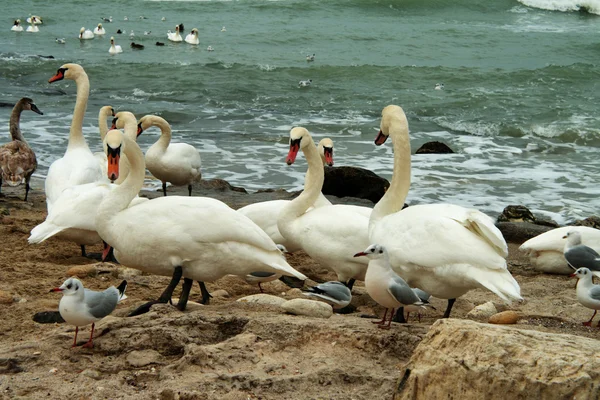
(294, 293)
(504, 318)
(483, 311)
(309, 308)
(91, 373)
(220, 185)
(460, 359)
(126, 273)
(220, 293)
(48, 317)
(262, 298)
(519, 232)
(82, 271)
(434, 147)
(141, 358)
(354, 182)
(516, 213)
(5, 297)
(592, 222)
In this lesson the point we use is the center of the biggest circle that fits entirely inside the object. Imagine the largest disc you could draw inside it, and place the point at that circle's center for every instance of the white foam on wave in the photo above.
(142, 93)
(592, 6)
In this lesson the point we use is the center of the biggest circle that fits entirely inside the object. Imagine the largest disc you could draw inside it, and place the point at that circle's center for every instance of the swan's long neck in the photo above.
(120, 197)
(165, 133)
(76, 139)
(102, 124)
(393, 200)
(15, 123)
(313, 183)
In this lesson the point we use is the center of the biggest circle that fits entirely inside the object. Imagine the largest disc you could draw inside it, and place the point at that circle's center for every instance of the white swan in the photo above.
(443, 249)
(174, 36)
(192, 37)
(34, 20)
(33, 28)
(99, 30)
(200, 238)
(17, 27)
(114, 48)
(125, 120)
(546, 250)
(103, 114)
(78, 165)
(266, 213)
(85, 34)
(176, 163)
(336, 231)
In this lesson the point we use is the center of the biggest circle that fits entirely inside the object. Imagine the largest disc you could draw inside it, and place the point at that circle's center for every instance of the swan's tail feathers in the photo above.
(500, 282)
(121, 288)
(484, 227)
(285, 269)
(43, 231)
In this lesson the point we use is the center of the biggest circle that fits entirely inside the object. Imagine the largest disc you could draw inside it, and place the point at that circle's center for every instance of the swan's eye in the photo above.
(69, 286)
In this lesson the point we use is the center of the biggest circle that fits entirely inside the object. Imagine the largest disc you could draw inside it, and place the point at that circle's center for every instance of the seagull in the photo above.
(305, 83)
(579, 255)
(310, 58)
(60, 40)
(147, 32)
(209, 48)
(439, 86)
(223, 29)
(126, 19)
(131, 34)
(385, 286)
(163, 19)
(334, 293)
(80, 306)
(109, 19)
(588, 294)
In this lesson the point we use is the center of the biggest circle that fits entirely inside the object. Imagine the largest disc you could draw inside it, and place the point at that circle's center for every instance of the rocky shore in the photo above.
(242, 350)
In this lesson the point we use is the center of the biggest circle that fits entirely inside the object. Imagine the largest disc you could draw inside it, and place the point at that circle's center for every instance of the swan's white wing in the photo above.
(183, 153)
(423, 238)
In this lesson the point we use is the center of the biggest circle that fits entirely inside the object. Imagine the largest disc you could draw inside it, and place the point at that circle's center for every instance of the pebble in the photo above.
(504, 317)
(141, 358)
(5, 297)
(309, 308)
(220, 293)
(482, 311)
(262, 298)
(91, 373)
(83, 271)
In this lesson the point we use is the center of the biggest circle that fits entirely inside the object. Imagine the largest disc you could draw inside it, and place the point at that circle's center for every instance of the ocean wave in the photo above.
(589, 6)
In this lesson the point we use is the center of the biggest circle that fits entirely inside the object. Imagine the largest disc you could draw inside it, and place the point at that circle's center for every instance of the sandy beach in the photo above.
(228, 349)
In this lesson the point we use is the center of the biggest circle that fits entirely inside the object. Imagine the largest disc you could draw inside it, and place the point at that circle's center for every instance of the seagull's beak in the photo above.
(360, 254)
(56, 289)
(572, 275)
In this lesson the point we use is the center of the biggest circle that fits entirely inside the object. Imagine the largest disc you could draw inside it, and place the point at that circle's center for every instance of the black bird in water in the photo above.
(137, 46)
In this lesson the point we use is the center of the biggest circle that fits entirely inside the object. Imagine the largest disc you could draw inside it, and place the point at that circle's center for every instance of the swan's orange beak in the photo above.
(360, 254)
(113, 156)
(114, 123)
(140, 130)
(294, 148)
(380, 139)
(328, 156)
(60, 75)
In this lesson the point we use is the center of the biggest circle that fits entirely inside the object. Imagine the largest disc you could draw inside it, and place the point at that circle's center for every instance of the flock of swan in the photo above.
(443, 250)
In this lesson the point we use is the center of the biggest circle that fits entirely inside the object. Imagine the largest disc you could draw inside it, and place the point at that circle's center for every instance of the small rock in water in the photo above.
(482, 311)
(83, 271)
(504, 317)
(309, 308)
(262, 298)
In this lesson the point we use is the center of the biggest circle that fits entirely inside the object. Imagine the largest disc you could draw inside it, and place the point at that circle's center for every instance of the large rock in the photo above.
(309, 308)
(354, 182)
(519, 232)
(434, 147)
(460, 359)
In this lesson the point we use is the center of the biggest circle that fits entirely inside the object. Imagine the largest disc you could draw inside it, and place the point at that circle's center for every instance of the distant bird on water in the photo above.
(439, 86)
(137, 46)
(305, 83)
(310, 58)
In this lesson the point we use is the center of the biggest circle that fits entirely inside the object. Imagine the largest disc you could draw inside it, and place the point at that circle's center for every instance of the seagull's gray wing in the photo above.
(261, 274)
(335, 290)
(583, 257)
(402, 292)
(423, 295)
(595, 292)
(100, 304)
